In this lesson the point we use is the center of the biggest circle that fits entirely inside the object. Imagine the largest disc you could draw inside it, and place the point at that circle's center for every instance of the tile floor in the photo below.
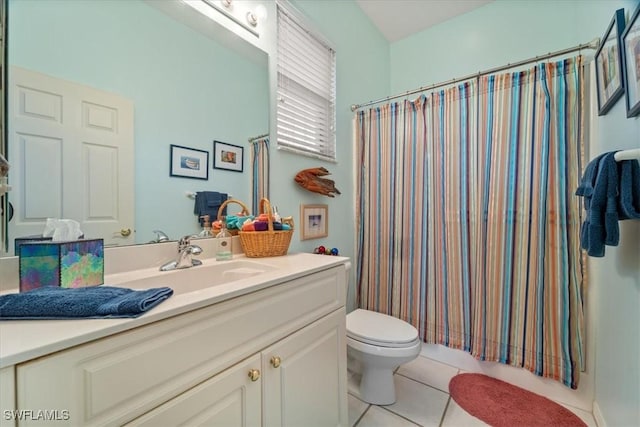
(422, 400)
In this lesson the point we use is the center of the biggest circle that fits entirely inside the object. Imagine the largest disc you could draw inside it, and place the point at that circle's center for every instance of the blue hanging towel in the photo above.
(208, 203)
(586, 189)
(629, 202)
(599, 187)
(53, 302)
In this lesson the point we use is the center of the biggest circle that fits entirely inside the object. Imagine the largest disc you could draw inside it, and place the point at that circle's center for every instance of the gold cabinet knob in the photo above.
(275, 361)
(125, 232)
(254, 374)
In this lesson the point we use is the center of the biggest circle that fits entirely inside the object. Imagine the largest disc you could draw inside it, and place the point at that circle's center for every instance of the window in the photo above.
(306, 89)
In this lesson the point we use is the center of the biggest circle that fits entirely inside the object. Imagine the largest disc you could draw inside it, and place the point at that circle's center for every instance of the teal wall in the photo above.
(186, 88)
(507, 31)
(495, 34)
(362, 56)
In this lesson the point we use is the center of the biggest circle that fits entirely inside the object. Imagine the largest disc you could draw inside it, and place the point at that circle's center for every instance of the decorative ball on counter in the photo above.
(321, 250)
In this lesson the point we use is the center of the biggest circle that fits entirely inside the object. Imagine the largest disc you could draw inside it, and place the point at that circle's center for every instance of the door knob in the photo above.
(254, 374)
(275, 361)
(125, 232)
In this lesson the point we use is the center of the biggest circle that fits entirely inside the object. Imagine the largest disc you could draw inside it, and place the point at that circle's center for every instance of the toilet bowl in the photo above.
(376, 345)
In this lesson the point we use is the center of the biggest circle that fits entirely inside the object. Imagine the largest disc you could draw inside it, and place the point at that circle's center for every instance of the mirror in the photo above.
(186, 88)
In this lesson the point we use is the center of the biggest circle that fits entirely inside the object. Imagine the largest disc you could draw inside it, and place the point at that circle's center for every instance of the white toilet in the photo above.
(376, 345)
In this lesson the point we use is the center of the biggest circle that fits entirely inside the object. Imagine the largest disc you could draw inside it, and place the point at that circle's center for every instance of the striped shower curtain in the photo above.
(468, 227)
(260, 172)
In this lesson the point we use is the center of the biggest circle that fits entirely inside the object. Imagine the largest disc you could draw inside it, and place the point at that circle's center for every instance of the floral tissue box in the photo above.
(72, 264)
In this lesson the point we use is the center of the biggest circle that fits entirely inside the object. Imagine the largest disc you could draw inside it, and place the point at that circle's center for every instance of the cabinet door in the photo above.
(231, 398)
(305, 376)
(7, 396)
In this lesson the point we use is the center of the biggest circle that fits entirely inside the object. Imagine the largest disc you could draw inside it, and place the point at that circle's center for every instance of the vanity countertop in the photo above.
(23, 340)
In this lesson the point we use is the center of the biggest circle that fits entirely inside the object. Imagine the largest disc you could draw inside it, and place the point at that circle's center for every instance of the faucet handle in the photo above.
(185, 241)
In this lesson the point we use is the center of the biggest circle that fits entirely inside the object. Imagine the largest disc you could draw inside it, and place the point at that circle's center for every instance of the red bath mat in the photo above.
(501, 404)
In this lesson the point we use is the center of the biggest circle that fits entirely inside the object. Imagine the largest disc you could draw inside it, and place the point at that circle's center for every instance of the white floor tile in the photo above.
(429, 372)
(356, 409)
(458, 417)
(379, 417)
(421, 404)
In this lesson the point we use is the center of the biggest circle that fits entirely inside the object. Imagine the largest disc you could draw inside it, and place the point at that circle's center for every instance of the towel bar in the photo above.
(633, 154)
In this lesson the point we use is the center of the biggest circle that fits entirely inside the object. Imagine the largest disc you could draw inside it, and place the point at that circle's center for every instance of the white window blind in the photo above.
(306, 90)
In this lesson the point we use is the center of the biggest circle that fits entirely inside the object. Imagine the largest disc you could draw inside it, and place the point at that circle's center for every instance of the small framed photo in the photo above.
(609, 77)
(631, 57)
(228, 156)
(315, 221)
(189, 163)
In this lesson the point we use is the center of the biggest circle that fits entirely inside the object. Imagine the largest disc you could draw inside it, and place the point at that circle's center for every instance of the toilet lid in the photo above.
(377, 328)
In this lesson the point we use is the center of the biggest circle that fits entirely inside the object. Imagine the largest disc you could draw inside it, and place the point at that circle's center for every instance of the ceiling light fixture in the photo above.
(252, 19)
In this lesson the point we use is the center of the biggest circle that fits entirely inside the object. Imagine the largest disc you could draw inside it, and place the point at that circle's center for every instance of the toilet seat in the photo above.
(380, 330)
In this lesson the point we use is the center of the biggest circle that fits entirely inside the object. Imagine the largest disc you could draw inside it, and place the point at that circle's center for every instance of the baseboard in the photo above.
(581, 398)
(597, 415)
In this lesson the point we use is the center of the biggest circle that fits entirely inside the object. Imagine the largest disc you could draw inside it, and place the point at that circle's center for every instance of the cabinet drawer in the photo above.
(115, 379)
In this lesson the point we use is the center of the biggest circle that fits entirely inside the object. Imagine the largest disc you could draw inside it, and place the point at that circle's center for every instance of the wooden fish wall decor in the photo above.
(310, 179)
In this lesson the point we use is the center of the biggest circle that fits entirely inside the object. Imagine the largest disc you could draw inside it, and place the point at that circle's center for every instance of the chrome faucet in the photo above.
(186, 250)
(160, 237)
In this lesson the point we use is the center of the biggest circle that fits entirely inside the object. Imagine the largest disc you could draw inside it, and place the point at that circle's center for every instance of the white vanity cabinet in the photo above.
(294, 381)
(194, 368)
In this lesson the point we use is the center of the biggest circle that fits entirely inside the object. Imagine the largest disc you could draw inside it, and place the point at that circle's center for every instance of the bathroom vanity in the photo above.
(266, 349)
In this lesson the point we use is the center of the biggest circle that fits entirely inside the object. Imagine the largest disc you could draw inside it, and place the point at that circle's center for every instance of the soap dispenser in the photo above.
(223, 243)
(206, 227)
(276, 215)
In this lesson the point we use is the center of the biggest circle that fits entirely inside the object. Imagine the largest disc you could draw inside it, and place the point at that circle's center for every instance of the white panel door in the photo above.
(73, 150)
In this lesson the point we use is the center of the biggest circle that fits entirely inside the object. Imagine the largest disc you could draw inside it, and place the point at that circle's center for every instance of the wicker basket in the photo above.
(244, 212)
(259, 244)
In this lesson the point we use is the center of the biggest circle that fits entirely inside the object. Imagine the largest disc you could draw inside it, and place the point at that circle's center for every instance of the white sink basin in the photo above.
(199, 277)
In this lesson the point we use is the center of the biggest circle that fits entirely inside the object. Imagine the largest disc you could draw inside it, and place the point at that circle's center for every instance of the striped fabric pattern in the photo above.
(260, 172)
(467, 224)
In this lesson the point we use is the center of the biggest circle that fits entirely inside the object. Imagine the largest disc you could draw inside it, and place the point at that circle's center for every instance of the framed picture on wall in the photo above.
(188, 162)
(228, 156)
(630, 42)
(609, 71)
(315, 221)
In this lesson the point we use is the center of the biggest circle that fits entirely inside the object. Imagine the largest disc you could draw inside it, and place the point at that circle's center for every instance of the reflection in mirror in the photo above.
(115, 61)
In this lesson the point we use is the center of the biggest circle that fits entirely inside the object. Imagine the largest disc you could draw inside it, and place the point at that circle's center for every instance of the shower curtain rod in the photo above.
(255, 138)
(593, 44)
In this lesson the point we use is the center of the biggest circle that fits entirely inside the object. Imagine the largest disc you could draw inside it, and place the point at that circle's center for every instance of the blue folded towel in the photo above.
(53, 302)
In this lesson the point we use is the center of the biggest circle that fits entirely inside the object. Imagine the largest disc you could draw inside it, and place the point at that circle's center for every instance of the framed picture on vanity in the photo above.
(228, 156)
(609, 77)
(188, 162)
(630, 42)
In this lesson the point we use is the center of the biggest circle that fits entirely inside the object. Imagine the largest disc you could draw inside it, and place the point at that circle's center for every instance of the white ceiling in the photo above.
(397, 19)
